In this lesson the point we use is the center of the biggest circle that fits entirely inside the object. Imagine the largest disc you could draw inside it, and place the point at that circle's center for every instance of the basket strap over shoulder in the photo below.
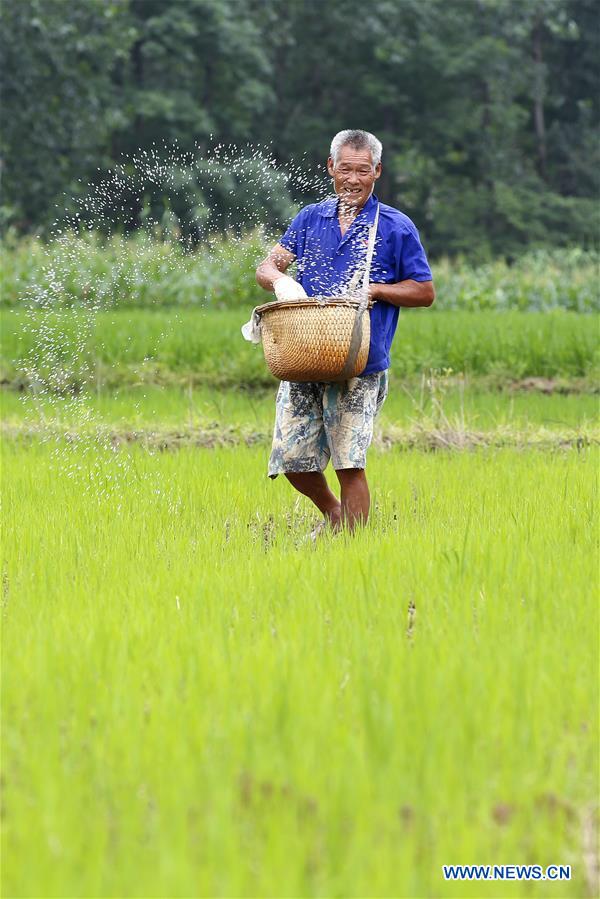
(356, 338)
(369, 260)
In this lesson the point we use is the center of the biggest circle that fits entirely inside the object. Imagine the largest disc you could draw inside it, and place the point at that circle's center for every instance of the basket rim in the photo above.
(311, 302)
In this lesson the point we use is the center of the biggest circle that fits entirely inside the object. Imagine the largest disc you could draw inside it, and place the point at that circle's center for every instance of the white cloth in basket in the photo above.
(285, 288)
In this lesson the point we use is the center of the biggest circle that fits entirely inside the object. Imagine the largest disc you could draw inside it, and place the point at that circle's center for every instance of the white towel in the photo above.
(286, 288)
(251, 330)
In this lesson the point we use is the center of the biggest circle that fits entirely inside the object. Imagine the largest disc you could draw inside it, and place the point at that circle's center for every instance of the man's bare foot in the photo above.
(333, 518)
(332, 521)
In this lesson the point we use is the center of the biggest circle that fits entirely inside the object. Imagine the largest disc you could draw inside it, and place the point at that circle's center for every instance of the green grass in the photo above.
(197, 703)
(128, 347)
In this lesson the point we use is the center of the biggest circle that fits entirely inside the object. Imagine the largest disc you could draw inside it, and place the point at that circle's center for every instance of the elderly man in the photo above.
(318, 421)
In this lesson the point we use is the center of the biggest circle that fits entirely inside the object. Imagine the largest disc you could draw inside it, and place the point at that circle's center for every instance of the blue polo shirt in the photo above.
(327, 260)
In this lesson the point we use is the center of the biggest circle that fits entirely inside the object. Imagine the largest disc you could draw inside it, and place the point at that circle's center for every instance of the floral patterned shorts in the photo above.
(318, 421)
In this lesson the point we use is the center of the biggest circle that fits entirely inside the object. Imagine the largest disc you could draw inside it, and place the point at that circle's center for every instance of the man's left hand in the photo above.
(407, 293)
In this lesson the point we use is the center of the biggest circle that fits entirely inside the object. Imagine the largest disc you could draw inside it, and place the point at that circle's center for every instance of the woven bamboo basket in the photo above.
(315, 339)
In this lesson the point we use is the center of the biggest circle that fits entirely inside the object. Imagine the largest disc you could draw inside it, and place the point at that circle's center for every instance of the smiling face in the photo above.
(354, 175)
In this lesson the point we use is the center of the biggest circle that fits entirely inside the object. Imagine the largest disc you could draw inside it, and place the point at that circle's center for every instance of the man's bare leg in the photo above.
(314, 485)
(356, 499)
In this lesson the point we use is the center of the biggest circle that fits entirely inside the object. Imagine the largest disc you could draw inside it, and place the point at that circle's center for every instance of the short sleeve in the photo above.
(293, 239)
(411, 261)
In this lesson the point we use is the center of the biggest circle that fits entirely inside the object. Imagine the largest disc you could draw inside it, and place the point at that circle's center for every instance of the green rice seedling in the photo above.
(197, 701)
(127, 347)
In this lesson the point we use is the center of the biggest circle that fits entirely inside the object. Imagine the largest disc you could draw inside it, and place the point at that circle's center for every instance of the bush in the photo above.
(143, 272)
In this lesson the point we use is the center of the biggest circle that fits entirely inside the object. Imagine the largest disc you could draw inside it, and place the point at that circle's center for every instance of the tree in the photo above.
(488, 110)
(60, 103)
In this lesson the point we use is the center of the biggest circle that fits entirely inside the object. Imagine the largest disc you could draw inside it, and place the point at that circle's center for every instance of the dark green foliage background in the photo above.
(487, 109)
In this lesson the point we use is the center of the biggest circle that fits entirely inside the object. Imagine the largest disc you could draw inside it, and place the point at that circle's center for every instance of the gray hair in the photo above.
(360, 140)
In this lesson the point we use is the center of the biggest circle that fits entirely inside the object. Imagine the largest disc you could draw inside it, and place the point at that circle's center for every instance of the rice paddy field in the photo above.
(198, 700)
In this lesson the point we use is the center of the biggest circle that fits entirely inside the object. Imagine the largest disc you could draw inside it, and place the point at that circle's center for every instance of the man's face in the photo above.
(354, 175)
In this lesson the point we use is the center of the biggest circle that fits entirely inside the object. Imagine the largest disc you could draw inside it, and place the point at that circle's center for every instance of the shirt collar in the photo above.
(328, 207)
(367, 213)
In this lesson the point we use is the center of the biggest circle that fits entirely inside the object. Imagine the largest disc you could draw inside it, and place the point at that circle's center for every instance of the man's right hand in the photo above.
(287, 289)
(273, 268)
